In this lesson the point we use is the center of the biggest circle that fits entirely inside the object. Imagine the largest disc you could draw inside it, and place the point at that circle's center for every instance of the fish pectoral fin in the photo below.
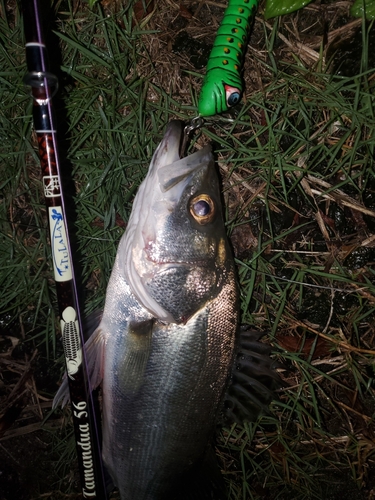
(137, 353)
(94, 354)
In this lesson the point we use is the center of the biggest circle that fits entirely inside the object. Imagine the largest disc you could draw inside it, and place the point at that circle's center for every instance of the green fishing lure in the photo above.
(222, 85)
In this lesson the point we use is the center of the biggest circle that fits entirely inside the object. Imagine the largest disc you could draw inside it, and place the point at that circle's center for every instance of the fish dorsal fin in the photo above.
(254, 380)
(137, 353)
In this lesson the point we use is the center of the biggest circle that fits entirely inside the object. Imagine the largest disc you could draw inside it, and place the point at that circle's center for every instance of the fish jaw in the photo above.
(165, 243)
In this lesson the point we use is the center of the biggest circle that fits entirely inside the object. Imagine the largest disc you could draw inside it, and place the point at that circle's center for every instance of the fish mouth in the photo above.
(170, 169)
(169, 149)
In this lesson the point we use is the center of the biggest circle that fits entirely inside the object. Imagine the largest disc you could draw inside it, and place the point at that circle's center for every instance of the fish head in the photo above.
(175, 248)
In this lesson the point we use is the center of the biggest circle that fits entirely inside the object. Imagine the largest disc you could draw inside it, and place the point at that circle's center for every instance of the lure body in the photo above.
(222, 85)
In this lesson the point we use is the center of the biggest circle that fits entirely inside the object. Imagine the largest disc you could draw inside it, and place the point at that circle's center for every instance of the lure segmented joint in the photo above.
(222, 85)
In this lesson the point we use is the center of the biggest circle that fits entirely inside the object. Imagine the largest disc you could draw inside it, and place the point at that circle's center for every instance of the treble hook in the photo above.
(194, 124)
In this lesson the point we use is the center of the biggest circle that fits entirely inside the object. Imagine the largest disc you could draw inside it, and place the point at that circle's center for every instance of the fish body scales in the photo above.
(171, 403)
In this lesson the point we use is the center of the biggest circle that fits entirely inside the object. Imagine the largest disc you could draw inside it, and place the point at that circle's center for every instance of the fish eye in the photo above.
(233, 95)
(202, 208)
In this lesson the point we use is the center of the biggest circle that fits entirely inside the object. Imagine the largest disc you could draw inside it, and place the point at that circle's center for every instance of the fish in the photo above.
(167, 345)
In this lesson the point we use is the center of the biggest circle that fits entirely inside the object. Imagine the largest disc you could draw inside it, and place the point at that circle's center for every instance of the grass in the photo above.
(297, 164)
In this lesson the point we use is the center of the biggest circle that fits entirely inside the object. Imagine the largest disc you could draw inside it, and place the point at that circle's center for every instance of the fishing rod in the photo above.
(43, 87)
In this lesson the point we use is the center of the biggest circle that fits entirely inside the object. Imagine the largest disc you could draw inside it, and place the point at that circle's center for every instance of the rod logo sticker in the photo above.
(59, 243)
(71, 341)
(51, 186)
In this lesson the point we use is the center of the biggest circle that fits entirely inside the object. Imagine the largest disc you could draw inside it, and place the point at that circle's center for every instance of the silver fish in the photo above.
(165, 345)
